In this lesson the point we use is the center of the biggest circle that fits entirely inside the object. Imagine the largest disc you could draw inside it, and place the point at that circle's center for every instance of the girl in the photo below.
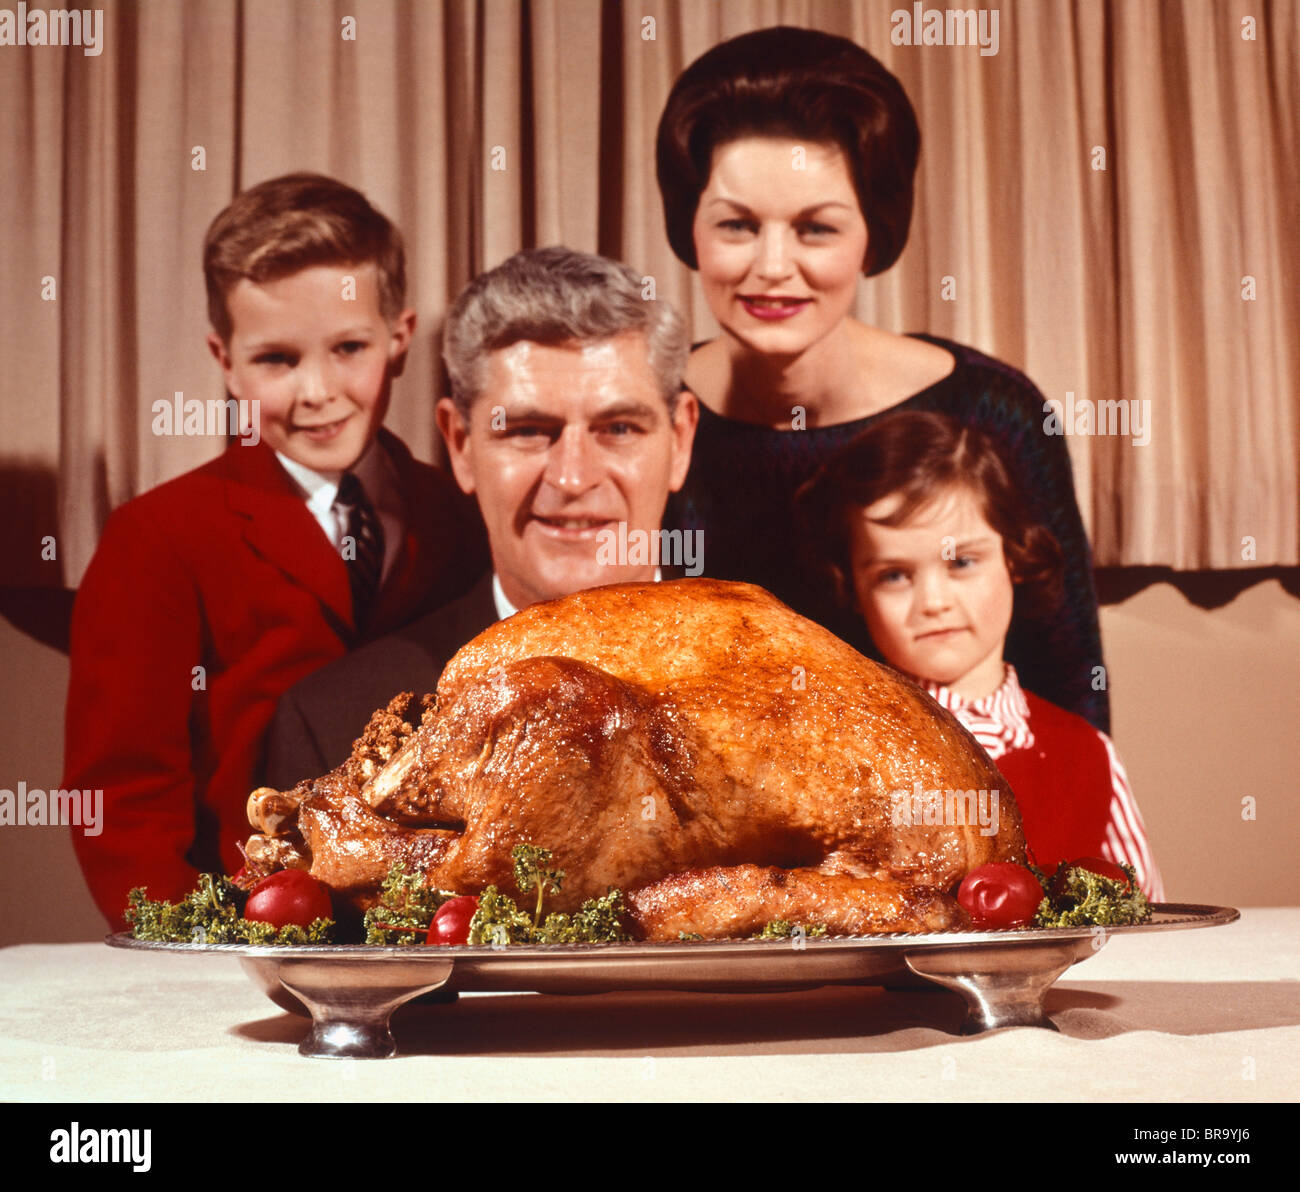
(927, 539)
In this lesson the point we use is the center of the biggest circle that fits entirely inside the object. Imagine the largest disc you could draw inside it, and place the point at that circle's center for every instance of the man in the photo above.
(567, 423)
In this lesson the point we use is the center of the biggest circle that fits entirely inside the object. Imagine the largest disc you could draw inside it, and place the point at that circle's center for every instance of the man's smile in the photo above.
(570, 527)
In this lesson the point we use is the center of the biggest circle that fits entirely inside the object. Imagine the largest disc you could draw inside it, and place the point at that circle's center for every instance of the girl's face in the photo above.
(780, 241)
(936, 592)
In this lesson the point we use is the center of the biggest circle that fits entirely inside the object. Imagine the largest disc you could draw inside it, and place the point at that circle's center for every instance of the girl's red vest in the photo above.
(1062, 784)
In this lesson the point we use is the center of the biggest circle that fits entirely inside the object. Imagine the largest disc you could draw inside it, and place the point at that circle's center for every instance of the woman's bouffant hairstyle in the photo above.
(294, 222)
(919, 455)
(797, 83)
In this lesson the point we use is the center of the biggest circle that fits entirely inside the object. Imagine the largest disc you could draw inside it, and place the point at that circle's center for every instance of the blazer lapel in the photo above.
(434, 563)
(412, 573)
(279, 527)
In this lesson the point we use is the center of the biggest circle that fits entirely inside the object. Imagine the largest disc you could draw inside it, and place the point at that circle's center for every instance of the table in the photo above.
(1204, 1015)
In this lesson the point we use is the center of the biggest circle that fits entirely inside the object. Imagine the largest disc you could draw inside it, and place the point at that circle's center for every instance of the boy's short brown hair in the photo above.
(917, 454)
(293, 222)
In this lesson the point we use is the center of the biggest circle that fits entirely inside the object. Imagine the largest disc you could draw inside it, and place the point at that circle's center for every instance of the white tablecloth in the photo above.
(1202, 1015)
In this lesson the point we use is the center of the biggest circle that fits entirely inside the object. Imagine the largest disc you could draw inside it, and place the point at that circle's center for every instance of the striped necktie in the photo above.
(363, 546)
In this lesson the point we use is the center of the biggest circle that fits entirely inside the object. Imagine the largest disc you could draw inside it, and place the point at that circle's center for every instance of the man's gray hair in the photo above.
(555, 295)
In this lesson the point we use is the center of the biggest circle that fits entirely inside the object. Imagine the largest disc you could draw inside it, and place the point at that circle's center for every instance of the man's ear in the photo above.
(686, 417)
(399, 343)
(455, 433)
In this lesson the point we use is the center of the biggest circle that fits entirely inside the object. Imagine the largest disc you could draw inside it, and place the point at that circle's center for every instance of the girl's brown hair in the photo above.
(918, 454)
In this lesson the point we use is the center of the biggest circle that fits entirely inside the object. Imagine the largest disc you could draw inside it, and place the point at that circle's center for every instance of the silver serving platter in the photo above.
(351, 990)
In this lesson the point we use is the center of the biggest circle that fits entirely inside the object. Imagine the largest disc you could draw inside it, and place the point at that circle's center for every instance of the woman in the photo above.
(785, 162)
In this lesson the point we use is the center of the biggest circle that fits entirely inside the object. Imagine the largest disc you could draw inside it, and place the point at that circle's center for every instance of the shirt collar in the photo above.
(320, 489)
(999, 721)
(506, 609)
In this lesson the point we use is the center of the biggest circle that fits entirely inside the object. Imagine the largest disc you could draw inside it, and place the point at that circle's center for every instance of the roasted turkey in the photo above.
(698, 745)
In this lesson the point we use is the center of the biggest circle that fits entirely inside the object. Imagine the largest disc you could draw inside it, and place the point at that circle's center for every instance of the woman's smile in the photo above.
(763, 307)
(780, 240)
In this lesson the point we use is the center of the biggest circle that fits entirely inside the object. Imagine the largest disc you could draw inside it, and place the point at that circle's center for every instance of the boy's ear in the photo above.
(455, 433)
(221, 354)
(402, 331)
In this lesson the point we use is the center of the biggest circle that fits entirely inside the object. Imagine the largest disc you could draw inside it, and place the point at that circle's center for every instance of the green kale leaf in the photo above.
(1088, 899)
(533, 872)
(405, 908)
(780, 929)
(211, 914)
(498, 921)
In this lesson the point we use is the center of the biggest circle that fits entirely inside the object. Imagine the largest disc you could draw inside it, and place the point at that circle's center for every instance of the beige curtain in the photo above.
(1108, 203)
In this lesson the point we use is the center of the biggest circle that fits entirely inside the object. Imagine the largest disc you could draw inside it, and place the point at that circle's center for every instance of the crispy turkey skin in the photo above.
(697, 744)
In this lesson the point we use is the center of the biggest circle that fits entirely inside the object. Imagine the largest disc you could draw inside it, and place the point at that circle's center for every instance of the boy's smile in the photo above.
(313, 348)
(936, 591)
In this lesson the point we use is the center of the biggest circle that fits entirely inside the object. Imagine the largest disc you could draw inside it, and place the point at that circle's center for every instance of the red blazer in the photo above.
(223, 568)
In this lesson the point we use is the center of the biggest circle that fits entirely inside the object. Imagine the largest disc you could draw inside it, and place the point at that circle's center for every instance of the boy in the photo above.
(211, 595)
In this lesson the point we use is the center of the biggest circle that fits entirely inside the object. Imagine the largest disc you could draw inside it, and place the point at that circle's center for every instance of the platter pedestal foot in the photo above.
(1002, 986)
(351, 1005)
(348, 1040)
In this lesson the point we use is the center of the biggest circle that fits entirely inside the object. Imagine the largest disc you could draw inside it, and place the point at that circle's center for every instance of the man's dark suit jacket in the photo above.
(317, 720)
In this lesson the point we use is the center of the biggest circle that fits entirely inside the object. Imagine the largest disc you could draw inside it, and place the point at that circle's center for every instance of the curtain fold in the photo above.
(1107, 203)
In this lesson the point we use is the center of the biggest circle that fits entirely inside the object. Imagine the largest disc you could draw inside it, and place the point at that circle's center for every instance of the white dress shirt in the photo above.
(506, 609)
(378, 478)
